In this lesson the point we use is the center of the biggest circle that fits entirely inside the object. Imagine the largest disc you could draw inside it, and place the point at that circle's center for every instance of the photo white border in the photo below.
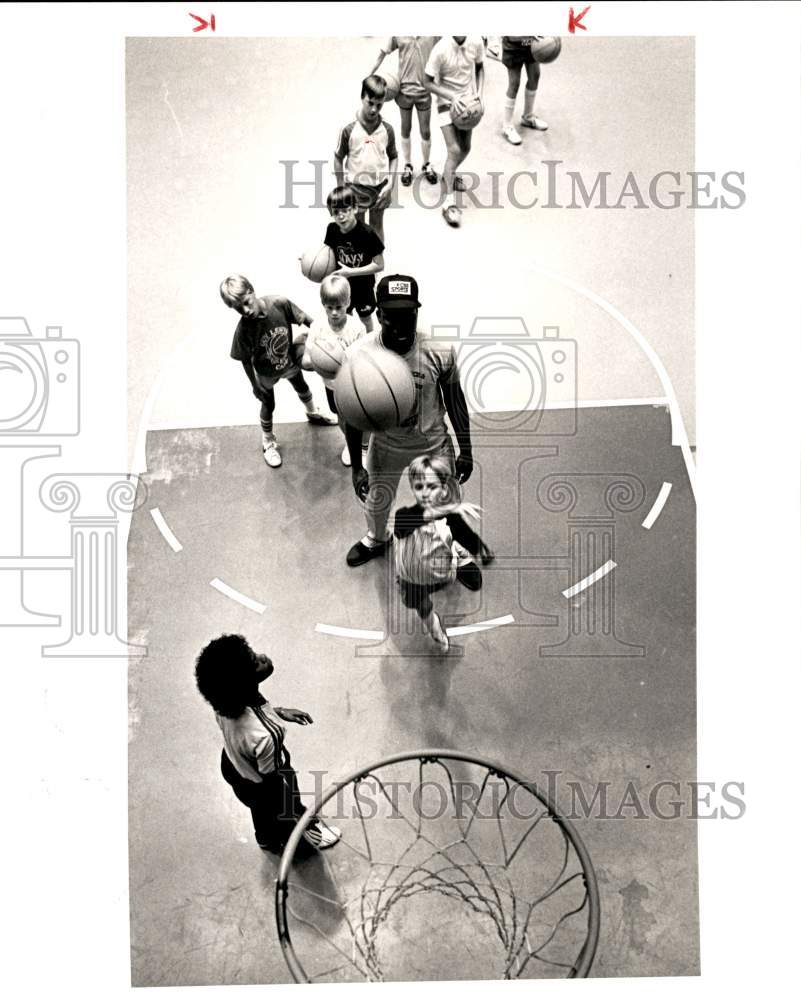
(63, 261)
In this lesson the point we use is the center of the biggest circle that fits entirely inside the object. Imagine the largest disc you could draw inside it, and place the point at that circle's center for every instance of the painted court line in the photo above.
(164, 528)
(588, 581)
(659, 503)
(349, 633)
(678, 430)
(248, 602)
(481, 626)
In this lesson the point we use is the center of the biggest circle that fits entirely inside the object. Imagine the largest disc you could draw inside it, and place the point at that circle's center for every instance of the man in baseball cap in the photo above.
(432, 364)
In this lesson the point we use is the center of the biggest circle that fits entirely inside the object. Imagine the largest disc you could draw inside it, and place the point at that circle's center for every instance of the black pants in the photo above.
(275, 803)
(418, 595)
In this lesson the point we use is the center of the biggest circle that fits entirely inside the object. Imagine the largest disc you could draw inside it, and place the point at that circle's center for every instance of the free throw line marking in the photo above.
(659, 503)
(166, 534)
(349, 633)
(480, 626)
(588, 581)
(243, 599)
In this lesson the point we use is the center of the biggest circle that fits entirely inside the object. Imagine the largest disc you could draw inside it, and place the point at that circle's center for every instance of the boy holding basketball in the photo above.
(413, 52)
(336, 324)
(359, 251)
(455, 73)
(366, 156)
(265, 344)
(516, 53)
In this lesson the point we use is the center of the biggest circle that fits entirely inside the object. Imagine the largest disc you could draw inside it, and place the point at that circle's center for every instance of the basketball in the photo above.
(471, 116)
(374, 389)
(318, 264)
(546, 48)
(326, 356)
(393, 85)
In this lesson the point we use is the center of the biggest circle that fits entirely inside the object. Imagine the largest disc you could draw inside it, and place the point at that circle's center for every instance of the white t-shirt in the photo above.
(350, 332)
(454, 66)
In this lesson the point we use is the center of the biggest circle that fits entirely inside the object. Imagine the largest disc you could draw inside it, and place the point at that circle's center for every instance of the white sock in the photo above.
(371, 542)
(406, 149)
(528, 102)
(508, 111)
(426, 146)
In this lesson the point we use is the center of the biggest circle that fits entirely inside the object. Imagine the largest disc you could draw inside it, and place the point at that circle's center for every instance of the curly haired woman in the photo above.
(255, 761)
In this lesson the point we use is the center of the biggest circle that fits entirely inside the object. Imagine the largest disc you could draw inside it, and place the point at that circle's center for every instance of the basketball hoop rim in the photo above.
(585, 958)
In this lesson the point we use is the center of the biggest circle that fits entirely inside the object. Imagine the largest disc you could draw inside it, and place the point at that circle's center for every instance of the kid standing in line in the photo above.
(366, 156)
(429, 535)
(515, 53)
(265, 344)
(413, 53)
(455, 72)
(336, 322)
(359, 251)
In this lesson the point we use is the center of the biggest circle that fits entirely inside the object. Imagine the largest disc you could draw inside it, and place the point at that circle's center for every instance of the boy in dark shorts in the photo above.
(267, 347)
(413, 53)
(366, 157)
(516, 53)
(359, 252)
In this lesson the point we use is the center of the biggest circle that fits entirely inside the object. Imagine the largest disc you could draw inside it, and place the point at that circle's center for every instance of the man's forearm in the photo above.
(456, 406)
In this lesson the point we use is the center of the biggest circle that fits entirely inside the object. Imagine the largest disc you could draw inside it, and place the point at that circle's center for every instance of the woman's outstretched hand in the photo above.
(294, 715)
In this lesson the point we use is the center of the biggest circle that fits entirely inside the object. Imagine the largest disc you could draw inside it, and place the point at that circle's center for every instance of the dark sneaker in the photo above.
(407, 175)
(361, 553)
(430, 173)
(469, 576)
(452, 215)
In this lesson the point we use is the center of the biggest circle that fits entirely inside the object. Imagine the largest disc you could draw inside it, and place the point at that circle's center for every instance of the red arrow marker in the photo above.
(574, 21)
(203, 23)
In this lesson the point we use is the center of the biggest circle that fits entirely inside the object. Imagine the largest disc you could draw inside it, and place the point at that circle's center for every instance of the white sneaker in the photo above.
(345, 456)
(531, 121)
(272, 456)
(511, 134)
(321, 836)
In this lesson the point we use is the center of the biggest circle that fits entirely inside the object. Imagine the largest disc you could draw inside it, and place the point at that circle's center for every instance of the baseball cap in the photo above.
(397, 291)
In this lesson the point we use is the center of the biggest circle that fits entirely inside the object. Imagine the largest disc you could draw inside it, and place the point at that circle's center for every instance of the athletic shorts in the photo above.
(270, 381)
(362, 302)
(366, 195)
(516, 55)
(444, 116)
(407, 101)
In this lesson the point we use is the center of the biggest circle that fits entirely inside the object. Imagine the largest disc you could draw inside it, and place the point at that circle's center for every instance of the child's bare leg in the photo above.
(424, 121)
(529, 96)
(377, 222)
(406, 142)
(509, 131)
(453, 159)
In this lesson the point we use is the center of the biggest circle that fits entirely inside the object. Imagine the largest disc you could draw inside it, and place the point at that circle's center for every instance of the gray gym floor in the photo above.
(201, 893)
